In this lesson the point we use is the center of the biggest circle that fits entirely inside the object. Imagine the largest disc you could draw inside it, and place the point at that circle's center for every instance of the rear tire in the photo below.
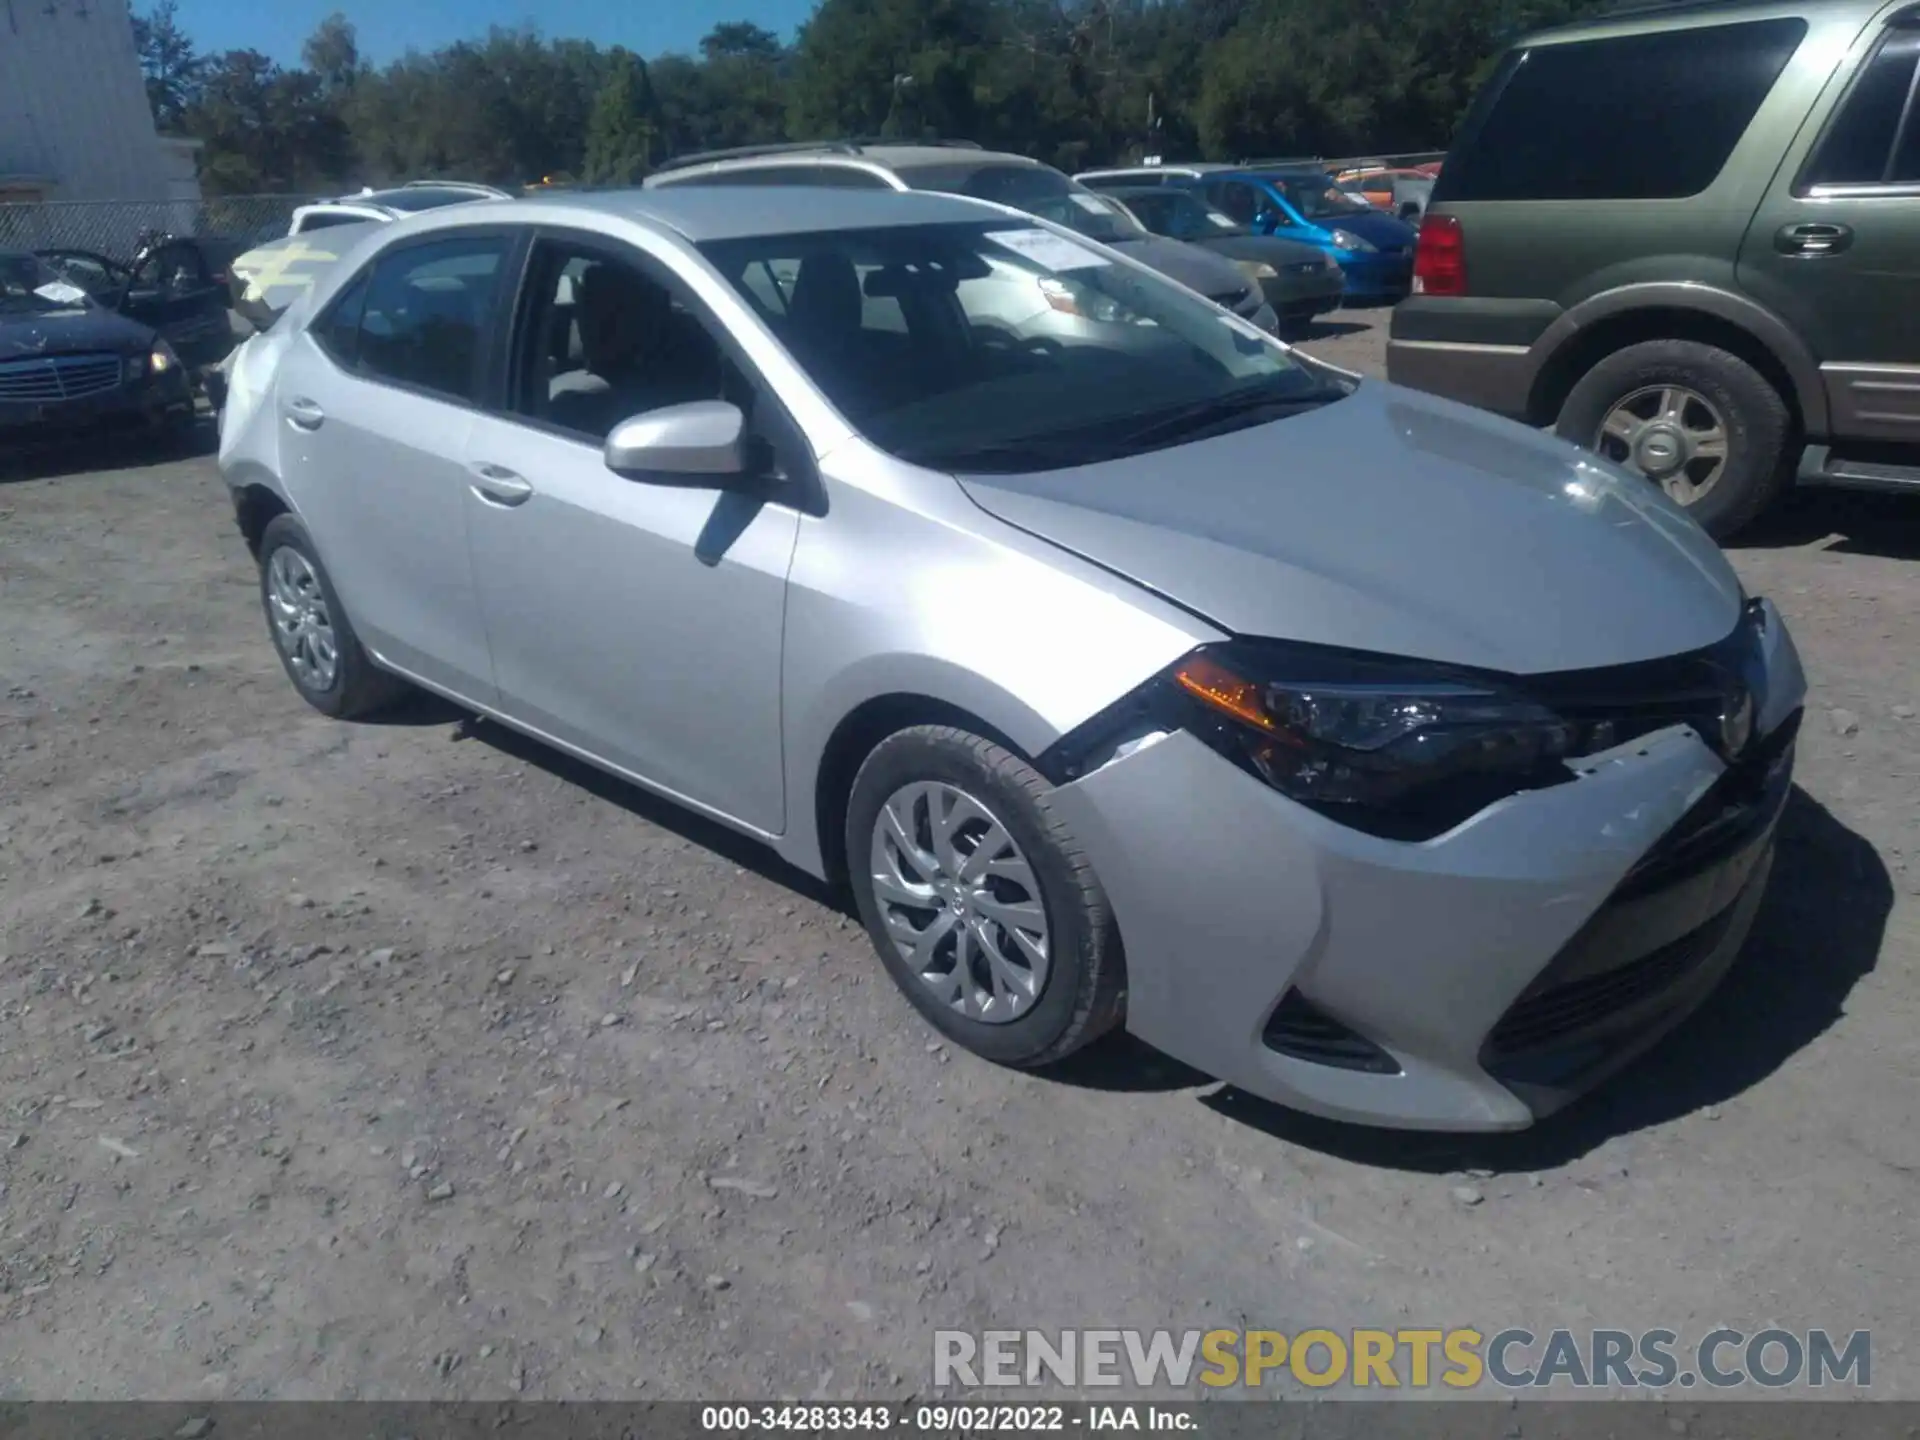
(311, 633)
(1038, 882)
(1753, 417)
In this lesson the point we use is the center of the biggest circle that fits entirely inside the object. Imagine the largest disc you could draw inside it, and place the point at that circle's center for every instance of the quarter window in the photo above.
(425, 311)
(1860, 146)
(1638, 117)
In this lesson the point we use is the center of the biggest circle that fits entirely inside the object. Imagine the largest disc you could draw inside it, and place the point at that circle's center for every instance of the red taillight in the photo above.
(1440, 259)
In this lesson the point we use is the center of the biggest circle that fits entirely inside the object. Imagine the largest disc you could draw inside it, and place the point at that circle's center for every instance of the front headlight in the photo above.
(1256, 269)
(1389, 748)
(163, 359)
(1347, 240)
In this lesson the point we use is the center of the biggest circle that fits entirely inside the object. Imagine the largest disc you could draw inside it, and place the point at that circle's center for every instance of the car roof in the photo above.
(1642, 16)
(700, 213)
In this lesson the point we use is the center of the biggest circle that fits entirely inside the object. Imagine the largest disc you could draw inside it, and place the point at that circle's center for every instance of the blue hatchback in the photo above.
(1302, 203)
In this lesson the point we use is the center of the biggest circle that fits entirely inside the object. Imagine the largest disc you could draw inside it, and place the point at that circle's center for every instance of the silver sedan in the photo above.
(1380, 757)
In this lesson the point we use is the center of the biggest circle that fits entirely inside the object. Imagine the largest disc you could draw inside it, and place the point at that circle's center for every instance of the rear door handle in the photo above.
(1813, 239)
(498, 485)
(303, 414)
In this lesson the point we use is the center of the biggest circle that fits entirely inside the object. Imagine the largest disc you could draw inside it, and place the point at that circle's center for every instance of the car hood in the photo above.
(1188, 264)
(69, 332)
(1376, 227)
(1397, 523)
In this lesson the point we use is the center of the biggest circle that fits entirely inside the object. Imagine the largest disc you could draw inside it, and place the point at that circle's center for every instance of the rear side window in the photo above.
(424, 314)
(338, 331)
(1640, 117)
(1874, 138)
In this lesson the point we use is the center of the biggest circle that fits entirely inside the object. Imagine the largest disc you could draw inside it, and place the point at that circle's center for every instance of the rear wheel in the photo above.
(1696, 420)
(982, 908)
(311, 633)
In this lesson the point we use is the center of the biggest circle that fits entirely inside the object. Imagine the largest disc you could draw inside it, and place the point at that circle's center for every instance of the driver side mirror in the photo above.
(702, 444)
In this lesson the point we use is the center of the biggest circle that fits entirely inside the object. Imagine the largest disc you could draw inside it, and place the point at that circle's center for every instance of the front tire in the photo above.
(1696, 420)
(315, 641)
(978, 900)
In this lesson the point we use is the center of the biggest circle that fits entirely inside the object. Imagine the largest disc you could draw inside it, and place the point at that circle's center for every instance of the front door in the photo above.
(1835, 246)
(377, 401)
(640, 623)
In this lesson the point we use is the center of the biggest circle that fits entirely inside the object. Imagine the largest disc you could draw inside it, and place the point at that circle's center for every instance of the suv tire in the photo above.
(1755, 418)
(1039, 871)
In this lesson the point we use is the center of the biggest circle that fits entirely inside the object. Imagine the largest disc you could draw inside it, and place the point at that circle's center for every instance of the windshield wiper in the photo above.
(1233, 411)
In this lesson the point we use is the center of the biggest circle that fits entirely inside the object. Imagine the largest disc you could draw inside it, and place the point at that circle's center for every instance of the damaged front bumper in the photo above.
(1477, 981)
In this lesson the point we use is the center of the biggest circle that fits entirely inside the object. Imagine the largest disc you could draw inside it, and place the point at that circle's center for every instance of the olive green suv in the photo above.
(1688, 237)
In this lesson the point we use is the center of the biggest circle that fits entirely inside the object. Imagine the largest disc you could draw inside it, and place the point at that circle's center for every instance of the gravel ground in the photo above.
(412, 1060)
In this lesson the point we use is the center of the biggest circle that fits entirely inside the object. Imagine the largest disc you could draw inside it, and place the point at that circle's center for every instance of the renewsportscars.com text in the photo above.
(1405, 1358)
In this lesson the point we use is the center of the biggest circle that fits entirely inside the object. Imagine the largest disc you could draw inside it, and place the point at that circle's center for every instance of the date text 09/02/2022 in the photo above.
(941, 1419)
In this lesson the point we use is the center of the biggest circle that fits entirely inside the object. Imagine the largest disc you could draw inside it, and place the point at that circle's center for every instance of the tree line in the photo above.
(1071, 82)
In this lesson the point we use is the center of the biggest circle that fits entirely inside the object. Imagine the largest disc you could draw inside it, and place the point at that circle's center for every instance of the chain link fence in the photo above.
(113, 227)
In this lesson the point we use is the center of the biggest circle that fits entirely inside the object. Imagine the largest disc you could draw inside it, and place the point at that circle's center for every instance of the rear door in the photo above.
(378, 398)
(1835, 246)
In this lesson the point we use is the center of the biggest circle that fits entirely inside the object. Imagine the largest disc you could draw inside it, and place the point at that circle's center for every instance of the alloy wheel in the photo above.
(959, 901)
(1672, 434)
(302, 624)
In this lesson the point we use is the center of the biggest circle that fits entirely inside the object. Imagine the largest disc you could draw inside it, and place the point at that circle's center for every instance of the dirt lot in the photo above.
(411, 1060)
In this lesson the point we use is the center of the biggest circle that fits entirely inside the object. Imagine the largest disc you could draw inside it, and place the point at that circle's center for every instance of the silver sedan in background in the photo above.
(1381, 757)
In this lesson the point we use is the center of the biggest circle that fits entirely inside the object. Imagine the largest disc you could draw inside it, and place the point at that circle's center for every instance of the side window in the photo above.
(338, 331)
(602, 340)
(1640, 117)
(425, 311)
(1236, 198)
(1860, 147)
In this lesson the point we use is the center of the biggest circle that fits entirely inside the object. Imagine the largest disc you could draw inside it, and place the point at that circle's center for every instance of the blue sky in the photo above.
(388, 28)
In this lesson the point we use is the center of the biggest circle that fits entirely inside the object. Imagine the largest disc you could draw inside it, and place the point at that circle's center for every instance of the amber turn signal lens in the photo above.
(1219, 687)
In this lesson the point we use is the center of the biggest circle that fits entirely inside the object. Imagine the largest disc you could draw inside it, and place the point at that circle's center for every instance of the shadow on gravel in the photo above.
(1861, 522)
(729, 845)
(1819, 931)
(58, 459)
(1329, 330)
(1125, 1066)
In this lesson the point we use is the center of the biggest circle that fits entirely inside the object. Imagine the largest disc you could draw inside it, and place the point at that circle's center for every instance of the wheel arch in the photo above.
(1615, 319)
(856, 736)
(255, 505)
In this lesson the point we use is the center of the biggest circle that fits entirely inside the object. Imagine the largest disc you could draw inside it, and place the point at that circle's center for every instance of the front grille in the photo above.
(1301, 1029)
(1547, 1017)
(49, 379)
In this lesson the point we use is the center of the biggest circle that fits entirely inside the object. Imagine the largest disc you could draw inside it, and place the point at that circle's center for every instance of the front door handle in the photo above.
(1814, 239)
(304, 414)
(498, 485)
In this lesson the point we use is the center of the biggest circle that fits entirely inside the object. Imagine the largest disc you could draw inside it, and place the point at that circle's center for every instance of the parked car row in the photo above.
(893, 506)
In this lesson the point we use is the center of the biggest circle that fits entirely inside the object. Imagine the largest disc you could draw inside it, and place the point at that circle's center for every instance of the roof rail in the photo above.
(750, 152)
(1273, 160)
(449, 185)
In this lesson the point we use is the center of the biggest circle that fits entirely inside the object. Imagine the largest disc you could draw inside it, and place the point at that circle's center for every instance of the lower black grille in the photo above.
(1302, 1030)
(1540, 1020)
(1741, 804)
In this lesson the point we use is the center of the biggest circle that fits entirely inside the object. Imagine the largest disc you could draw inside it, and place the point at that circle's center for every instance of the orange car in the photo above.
(1376, 183)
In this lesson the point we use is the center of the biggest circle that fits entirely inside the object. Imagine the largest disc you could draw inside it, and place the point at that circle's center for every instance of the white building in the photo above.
(74, 121)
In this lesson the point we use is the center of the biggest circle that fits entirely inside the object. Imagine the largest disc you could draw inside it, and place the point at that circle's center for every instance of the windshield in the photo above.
(998, 346)
(1318, 198)
(28, 287)
(1036, 189)
(1180, 213)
